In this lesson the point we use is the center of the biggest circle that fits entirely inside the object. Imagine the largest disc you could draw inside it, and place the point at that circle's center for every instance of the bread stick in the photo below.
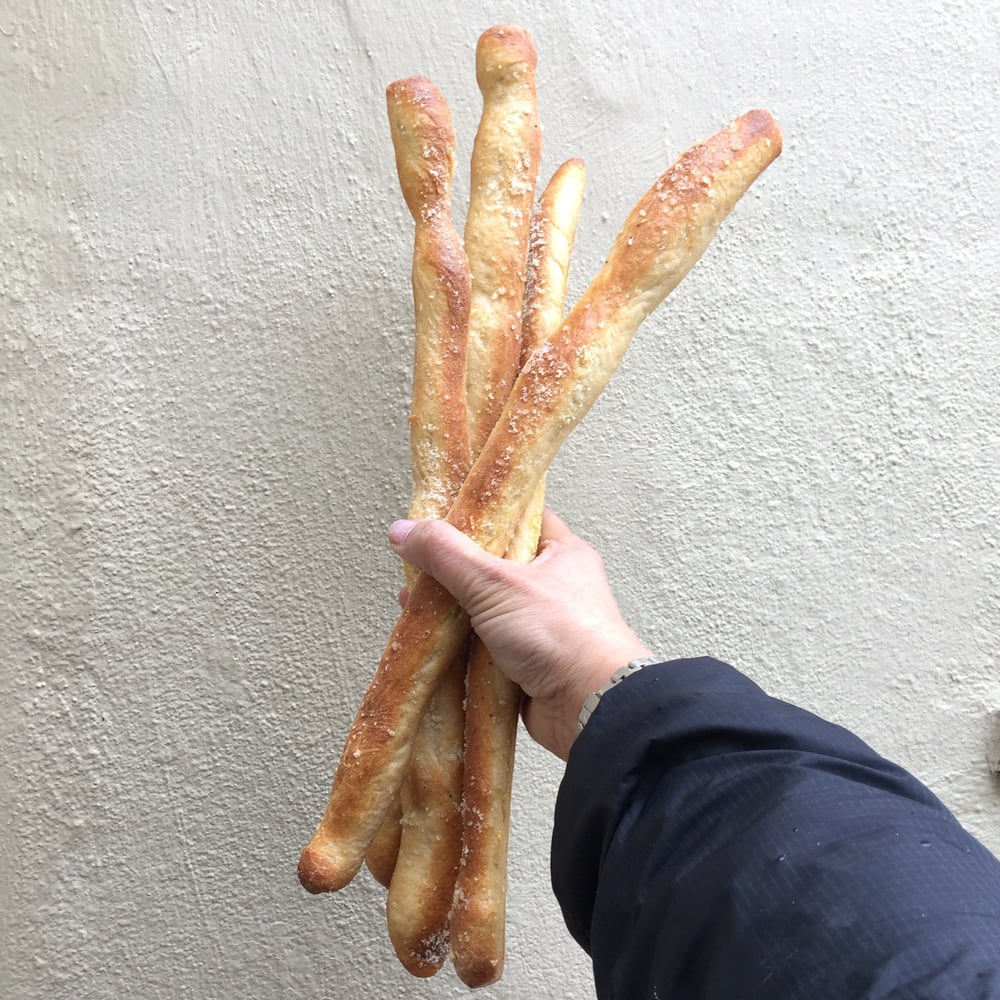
(664, 235)
(504, 168)
(423, 880)
(423, 139)
(550, 249)
(430, 845)
(498, 237)
(478, 918)
(422, 834)
(381, 855)
(505, 159)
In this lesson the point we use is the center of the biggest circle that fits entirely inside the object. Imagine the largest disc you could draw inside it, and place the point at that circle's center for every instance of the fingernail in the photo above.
(398, 530)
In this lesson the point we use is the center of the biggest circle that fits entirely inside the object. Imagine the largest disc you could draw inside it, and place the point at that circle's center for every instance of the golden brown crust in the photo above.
(380, 858)
(377, 752)
(504, 51)
(664, 235)
(479, 909)
(504, 167)
(553, 230)
(478, 918)
(424, 143)
(505, 153)
(505, 158)
(420, 893)
(420, 826)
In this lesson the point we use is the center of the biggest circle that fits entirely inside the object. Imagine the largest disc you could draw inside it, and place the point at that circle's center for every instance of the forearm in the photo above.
(711, 841)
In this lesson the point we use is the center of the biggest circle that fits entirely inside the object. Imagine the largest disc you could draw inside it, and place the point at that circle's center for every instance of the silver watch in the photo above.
(632, 667)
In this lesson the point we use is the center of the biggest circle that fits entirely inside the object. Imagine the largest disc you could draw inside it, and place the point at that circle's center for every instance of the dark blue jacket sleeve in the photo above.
(712, 842)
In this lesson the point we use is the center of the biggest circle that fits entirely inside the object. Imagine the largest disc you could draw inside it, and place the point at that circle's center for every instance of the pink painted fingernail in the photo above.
(398, 530)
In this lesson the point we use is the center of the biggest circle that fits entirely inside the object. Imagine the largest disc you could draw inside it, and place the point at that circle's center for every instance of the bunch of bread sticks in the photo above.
(502, 374)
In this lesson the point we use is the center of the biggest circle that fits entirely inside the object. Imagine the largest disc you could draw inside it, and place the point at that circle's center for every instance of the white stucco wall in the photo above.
(205, 329)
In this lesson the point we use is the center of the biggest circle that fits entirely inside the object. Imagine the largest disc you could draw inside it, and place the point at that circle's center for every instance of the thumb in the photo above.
(448, 555)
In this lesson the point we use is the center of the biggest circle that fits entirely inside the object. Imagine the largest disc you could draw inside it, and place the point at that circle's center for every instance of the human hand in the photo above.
(552, 625)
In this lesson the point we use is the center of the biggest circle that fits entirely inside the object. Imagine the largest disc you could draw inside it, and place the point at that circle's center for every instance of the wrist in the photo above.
(600, 669)
(632, 667)
(561, 714)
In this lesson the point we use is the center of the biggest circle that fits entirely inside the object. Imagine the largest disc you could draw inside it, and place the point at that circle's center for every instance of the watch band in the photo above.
(632, 667)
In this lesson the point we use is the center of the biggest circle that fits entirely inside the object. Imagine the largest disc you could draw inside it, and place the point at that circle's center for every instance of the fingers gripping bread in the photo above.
(478, 917)
(662, 238)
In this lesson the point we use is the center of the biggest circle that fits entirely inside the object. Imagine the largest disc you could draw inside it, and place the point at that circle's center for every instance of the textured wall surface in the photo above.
(205, 332)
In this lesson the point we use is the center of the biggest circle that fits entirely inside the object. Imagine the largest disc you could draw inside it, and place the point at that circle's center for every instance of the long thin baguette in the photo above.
(550, 249)
(478, 917)
(662, 238)
(418, 906)
(504, 168)
(419, 900)
(428, 821)
(424, 141)
(423, 138)
(505, 161)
